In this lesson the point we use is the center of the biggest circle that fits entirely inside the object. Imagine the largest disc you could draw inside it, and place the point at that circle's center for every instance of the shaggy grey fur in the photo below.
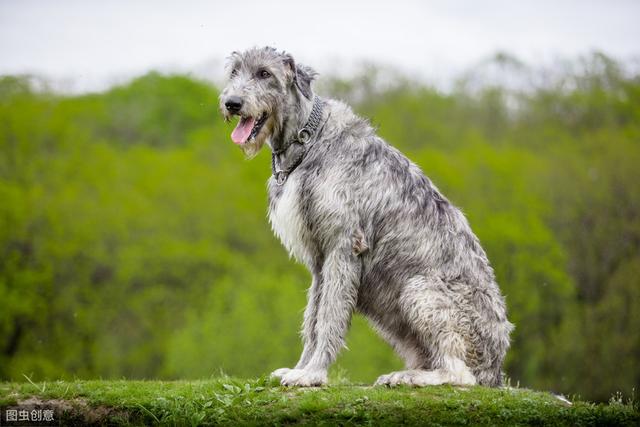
(376, 235)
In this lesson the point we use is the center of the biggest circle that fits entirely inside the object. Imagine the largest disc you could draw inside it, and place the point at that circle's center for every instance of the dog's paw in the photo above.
(304, 378)
(420, 378)
(416, 378)
(279, 373)
(383, 380)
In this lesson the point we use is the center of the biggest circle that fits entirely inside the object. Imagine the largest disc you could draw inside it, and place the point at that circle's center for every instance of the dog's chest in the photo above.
(287, 220)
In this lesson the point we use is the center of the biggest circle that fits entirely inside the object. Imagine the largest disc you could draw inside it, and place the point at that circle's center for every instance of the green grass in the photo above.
(233, 401)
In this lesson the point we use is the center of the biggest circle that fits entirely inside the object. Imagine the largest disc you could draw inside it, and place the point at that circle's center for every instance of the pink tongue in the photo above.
(242, 131)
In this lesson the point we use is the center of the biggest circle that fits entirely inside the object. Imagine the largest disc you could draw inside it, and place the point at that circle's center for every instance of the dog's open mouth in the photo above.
(247, 128)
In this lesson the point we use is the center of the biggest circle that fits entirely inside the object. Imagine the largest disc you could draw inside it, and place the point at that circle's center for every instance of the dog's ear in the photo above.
(231, 62)
(290, 66)
(304, 77)
(301, 76)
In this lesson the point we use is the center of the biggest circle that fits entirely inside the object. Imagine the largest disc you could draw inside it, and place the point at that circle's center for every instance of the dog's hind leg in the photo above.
(334, 305)
(403, 343)
(436, 323)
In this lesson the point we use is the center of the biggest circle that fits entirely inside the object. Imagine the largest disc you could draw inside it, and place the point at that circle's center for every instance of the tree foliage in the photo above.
(134, 240)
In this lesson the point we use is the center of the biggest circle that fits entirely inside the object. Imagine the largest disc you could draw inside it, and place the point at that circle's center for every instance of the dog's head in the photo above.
(264, 89)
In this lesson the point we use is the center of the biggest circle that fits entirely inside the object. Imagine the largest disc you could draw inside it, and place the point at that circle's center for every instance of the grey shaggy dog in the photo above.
(375, 233)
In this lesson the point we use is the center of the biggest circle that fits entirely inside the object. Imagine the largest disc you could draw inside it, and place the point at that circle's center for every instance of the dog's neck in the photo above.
(289, 150)
(299, 111)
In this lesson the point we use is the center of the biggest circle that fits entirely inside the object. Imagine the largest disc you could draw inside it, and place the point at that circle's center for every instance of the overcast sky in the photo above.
(92, 44)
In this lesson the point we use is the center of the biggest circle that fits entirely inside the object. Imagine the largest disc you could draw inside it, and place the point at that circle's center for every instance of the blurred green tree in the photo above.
(134, 240)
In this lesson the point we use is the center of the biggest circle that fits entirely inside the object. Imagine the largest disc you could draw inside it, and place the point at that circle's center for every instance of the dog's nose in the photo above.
(233, 104)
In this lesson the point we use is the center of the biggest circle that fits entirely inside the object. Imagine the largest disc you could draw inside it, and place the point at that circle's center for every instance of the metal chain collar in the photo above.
(298, 143)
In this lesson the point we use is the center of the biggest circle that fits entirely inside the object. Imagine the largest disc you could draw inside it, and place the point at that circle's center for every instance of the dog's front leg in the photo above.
(309, 336)
(308, 325)
(333, 304)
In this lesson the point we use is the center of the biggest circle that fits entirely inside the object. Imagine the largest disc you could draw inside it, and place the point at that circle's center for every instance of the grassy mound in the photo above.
(261, 402)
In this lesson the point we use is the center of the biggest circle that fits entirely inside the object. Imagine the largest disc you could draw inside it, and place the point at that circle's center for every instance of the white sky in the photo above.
(92, 44)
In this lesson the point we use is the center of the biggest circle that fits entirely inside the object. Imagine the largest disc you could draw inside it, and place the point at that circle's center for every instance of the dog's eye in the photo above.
(264, 74)
(234, 72)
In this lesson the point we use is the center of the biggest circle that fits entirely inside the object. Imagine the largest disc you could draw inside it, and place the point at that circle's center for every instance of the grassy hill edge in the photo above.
(261, 402)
